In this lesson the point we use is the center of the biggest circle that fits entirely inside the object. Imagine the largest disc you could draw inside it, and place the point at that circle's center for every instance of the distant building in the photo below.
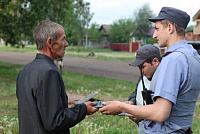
(125, 47)
(193, 34)
(196, 18)
(148, 35)
(189, 33)
(104, 29)
(104, 43)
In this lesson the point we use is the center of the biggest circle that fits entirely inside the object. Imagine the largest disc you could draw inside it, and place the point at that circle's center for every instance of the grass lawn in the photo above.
(110, 89)
(103, 54)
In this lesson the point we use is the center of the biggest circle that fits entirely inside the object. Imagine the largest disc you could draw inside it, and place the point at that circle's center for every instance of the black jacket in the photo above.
(42, 100)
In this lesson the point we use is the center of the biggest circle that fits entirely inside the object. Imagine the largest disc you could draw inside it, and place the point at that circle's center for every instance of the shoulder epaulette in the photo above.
(167, 53)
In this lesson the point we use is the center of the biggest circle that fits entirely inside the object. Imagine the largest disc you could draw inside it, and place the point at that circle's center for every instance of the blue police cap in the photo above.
(177, 16)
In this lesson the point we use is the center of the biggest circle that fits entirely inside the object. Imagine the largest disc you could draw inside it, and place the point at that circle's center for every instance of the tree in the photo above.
(120, 30)
(94, 33)
(83, 17)
(19, 17)
(141, 23)
(8, 21)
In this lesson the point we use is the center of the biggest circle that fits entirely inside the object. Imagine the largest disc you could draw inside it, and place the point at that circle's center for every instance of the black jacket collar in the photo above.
(43, 56)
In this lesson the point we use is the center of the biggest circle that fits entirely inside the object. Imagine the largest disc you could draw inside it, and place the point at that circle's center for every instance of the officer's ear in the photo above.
(155, 61)
(171, 28)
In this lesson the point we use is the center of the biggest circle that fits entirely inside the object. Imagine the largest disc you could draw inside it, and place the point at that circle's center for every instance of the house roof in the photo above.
(105, 28)
(148, 33)
(196, 16)
(189, 29)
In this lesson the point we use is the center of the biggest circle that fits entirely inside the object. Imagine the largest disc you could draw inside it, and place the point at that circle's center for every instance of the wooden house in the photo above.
(104, 29)
(193, 37)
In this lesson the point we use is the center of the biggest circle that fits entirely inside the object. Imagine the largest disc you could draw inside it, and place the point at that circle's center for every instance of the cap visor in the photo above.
(156, 19)
(137, 62)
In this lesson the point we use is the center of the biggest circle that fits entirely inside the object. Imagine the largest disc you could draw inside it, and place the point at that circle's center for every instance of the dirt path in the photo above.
(110, 69)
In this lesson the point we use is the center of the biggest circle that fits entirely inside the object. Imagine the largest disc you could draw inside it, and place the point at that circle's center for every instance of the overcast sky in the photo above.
(107, 11)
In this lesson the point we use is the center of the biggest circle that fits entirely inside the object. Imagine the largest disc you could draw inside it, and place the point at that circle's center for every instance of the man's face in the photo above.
(161, 34)
(58, 46)
(148, 69)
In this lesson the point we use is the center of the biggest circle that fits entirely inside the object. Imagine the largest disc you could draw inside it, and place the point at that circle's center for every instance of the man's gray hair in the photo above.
(43, 31)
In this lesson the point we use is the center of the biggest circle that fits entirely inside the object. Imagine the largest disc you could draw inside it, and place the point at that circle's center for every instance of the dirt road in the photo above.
(110, 69)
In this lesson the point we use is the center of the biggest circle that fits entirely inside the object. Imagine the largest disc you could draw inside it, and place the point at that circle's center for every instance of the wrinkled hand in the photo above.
(111, 107)
(90, 110)
(133, 118)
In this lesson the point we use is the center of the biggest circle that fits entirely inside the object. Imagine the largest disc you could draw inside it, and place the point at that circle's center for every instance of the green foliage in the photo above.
(80, 23)
(94, 34)
(139, 26)
(142, 25)
(120, 31)
(19, 18)
(8, 29)
(151, 40)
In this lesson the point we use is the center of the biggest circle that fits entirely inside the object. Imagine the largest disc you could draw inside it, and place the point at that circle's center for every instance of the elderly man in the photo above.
(42, 100)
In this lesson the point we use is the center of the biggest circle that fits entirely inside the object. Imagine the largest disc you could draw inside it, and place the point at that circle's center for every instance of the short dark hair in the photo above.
(180, 31)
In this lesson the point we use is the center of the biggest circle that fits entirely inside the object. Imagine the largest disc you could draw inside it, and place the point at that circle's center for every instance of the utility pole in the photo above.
(86, 39)
(130, 44)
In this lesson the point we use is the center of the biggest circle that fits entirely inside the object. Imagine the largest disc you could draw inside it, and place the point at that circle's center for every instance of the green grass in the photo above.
(105, 124)
(27, 49)
(102, 54)
(86, 84)
(110, 89)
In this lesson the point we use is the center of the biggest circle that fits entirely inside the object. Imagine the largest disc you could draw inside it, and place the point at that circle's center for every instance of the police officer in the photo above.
(175, 83)
(147, 59)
